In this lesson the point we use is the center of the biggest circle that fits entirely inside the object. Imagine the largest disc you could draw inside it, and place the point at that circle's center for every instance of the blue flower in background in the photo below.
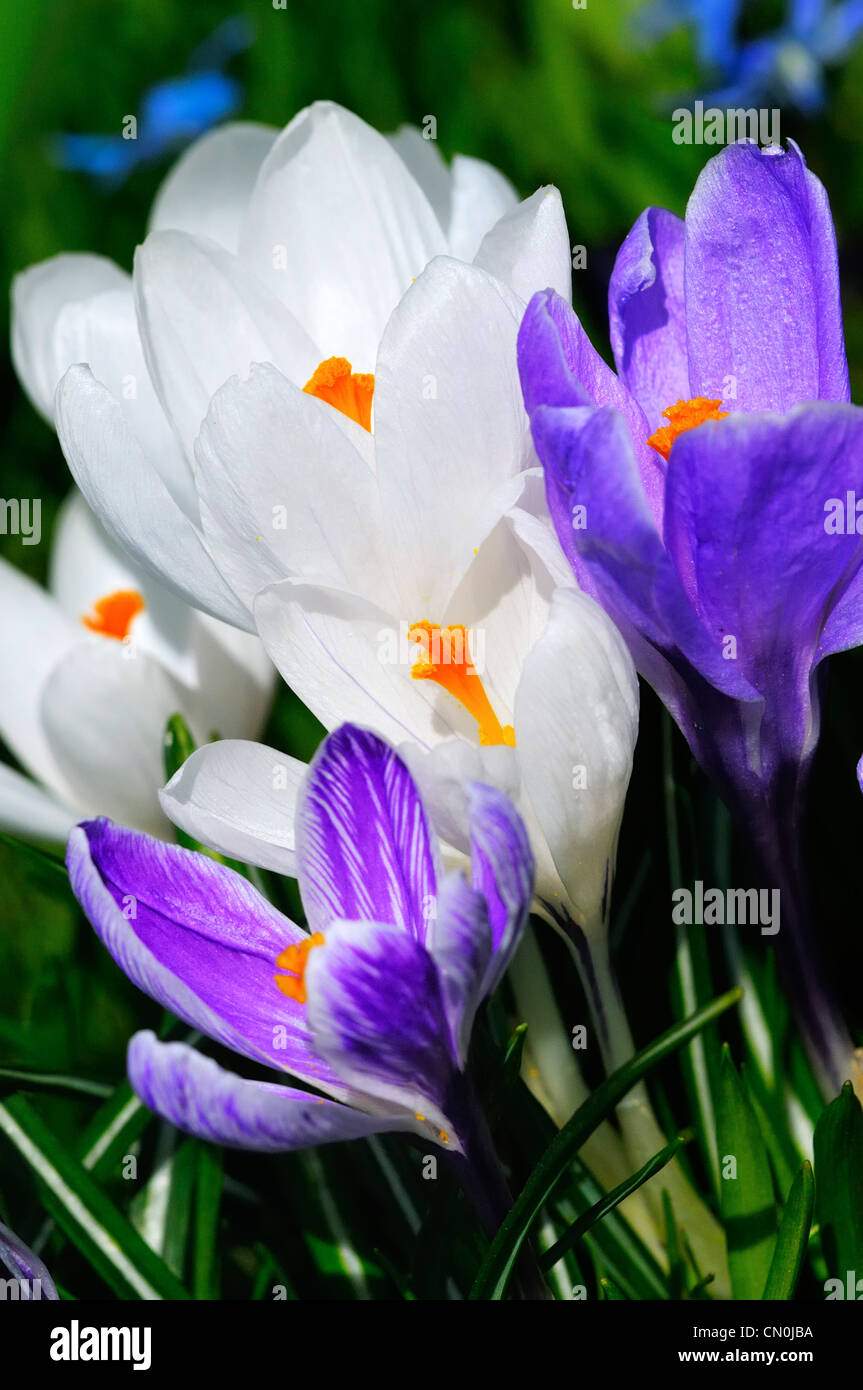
(786, 64)
(172, 113)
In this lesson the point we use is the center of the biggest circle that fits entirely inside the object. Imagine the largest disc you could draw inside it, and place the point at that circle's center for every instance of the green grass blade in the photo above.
(88, 1217)
(208, 1198)
(839, 1183)
(611, 1199)
(494, 1273)
(793, 1237)
(747, 1198)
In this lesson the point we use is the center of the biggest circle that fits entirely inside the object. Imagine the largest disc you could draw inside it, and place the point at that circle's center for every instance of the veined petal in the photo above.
(200, 1098)
(460, 941)
(207, 191)
(363, 844)
(762, 282)
(502, 868)
(284, 492)
(205, 316)
(377, 1015)
(647, 316)
(451, 434)
(350, 227)
(576, 726)
(239, 798)
(347, 659)
(104, 708)
(23, 1265)
(34, 635)
(528, 249)
(27, 809)
(480, 197)
(131, 500)
(197, 938)
(560, 367)
(746, 519)
(38, 296)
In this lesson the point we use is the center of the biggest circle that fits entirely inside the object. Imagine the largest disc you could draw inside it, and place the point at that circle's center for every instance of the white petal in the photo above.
(104, 710)
(529, 247)
(451, 432)
(27, 809)
(131, 500)
(338, 227)
(429, 168)
(481, 196)
(443, 772)
(233, 677)
(284, 492)
(34, 636)
(103, 332)
(207, 191)
(349, 660)
(204, 317)
(38, 295)
(240, 799)
(576, 722)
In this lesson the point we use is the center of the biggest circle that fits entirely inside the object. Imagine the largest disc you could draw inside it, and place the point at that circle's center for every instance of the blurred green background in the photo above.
(549, 94)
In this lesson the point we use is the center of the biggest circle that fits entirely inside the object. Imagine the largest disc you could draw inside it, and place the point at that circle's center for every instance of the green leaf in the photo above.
(747, 1198)
(793, 1237)
(495, 1271)
(611, 1199)
(88, 1217)
(177, 745)
(839, 1184)
(208, 1197)
(13, 1079)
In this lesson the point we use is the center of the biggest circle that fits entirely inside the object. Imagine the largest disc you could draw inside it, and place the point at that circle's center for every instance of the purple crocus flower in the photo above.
(714, 540)
(29, 1277)
(372, 1007)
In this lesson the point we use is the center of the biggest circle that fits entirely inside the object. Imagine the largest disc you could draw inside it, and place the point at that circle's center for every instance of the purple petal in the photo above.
(377, 1015)
(460, 941)
(198, 938)
(364, 848)
(559, 367)
(502, 868)
(588, 458)
(200, 1098)
(745, 508)
(762, 283)
(646, 314)
(26, 1267)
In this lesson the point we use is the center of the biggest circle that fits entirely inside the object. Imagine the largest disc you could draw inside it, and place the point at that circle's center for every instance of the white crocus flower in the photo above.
(408, 580)
(90, 671)
(291, 249)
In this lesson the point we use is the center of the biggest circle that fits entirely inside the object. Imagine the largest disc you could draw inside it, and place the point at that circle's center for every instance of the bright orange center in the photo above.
(682, 417)
(112, 615)
(350, 392)
(295, 959)
(447, 661)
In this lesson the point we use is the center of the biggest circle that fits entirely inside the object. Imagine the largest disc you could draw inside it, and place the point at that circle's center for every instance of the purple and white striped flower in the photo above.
(372, 1007)
(29, 1276)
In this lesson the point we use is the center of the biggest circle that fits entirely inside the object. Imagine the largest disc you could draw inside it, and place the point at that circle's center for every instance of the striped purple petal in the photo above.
(502, 868)
(461, 942)
(377, 1014)
(34, 1281)
(200, 1098)
(363, 843)
(198, 938)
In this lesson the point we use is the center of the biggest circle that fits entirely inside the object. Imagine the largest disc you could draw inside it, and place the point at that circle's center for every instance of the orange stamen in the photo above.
(295, 959)
(447, 661)
(682, 417)
(350, 392)
(112, 615)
